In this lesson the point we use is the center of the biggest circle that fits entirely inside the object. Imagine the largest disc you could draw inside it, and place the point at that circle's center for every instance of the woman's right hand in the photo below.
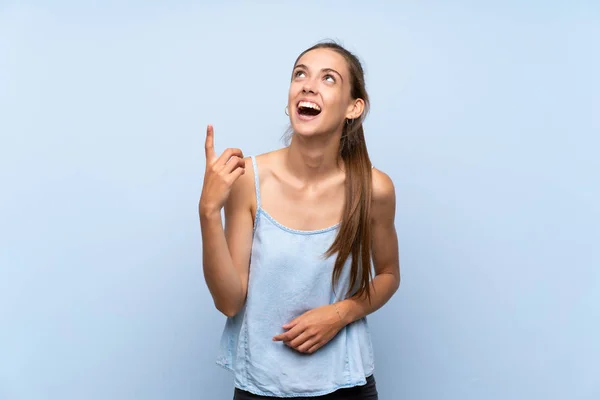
(221, 172)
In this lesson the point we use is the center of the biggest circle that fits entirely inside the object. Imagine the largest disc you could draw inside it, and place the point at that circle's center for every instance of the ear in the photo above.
(355, 109)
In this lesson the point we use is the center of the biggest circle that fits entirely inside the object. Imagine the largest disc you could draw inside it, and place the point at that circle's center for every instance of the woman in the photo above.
(300, 222)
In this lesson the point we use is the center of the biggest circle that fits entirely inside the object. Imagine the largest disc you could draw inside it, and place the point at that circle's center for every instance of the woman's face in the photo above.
(319, 99)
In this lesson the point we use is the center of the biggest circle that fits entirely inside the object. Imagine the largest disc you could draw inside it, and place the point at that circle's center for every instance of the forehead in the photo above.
(324, 58)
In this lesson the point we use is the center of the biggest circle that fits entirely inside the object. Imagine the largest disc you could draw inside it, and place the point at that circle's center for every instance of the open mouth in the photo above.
(308, 109)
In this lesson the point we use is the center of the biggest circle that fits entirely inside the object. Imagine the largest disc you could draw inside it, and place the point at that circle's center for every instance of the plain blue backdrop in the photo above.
(485, 114)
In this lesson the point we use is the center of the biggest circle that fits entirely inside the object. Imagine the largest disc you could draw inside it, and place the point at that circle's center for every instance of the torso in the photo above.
(295, 225)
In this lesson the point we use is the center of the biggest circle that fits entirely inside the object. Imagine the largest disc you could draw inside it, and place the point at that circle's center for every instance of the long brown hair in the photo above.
(354, 235)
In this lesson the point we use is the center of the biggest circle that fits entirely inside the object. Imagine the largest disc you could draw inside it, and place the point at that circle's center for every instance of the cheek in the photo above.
(336, 103)
(293, 91)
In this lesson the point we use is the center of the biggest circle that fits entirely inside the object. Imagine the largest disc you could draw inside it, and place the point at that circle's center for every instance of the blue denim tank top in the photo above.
(288, 276)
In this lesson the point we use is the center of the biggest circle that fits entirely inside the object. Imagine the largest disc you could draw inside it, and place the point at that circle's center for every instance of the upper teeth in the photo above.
(308, 104)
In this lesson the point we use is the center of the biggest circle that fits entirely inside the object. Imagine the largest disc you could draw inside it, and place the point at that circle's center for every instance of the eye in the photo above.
(299, 74)
(329, 78)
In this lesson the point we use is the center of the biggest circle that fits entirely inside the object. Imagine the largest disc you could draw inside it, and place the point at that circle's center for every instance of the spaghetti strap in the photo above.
(256, 182)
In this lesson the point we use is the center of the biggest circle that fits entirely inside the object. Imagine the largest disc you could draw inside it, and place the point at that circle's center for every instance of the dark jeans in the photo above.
(365, 392)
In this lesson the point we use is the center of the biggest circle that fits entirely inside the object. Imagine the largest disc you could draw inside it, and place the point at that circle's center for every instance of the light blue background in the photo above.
(485, 115)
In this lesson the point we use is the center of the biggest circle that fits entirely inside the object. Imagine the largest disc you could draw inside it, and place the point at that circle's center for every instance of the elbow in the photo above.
(397, 280)
(229, 313)
(229, 304)
(229, 310)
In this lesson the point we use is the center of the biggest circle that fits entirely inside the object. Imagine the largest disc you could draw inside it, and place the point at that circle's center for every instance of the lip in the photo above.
(306, 117)
(310, 101)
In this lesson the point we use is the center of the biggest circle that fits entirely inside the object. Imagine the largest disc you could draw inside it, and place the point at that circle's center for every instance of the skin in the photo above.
(308, 177)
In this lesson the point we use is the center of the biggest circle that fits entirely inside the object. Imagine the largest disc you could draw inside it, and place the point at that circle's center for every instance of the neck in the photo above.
(313, 158)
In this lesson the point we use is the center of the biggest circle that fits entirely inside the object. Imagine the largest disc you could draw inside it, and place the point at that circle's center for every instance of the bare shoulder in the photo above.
(242, 190)
(383, 188)
(383, 199)
(246, 180)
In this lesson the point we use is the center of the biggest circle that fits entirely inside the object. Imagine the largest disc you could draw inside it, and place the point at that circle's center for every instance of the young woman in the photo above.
(292, 268)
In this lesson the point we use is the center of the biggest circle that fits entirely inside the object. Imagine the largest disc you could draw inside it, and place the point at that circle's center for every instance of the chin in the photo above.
(309, 128)
(304, 130)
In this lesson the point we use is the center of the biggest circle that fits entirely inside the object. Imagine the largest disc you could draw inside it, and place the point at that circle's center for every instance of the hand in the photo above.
(312, 330)
(221, 173)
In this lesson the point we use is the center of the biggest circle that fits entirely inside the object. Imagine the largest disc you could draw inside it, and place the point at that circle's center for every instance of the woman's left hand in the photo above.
(312, 330)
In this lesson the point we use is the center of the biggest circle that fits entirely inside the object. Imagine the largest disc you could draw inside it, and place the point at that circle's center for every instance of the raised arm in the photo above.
(226, 251)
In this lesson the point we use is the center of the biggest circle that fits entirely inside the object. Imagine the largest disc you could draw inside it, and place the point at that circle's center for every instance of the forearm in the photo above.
(221, 276)
(383, 286)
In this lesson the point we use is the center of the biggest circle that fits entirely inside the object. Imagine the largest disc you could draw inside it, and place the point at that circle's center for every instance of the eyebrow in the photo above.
(323, 70)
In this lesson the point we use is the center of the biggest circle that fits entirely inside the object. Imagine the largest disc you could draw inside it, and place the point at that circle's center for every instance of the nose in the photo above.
(308, 87)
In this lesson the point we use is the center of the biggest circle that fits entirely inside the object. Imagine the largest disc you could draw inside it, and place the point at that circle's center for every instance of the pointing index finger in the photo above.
(209, 144)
